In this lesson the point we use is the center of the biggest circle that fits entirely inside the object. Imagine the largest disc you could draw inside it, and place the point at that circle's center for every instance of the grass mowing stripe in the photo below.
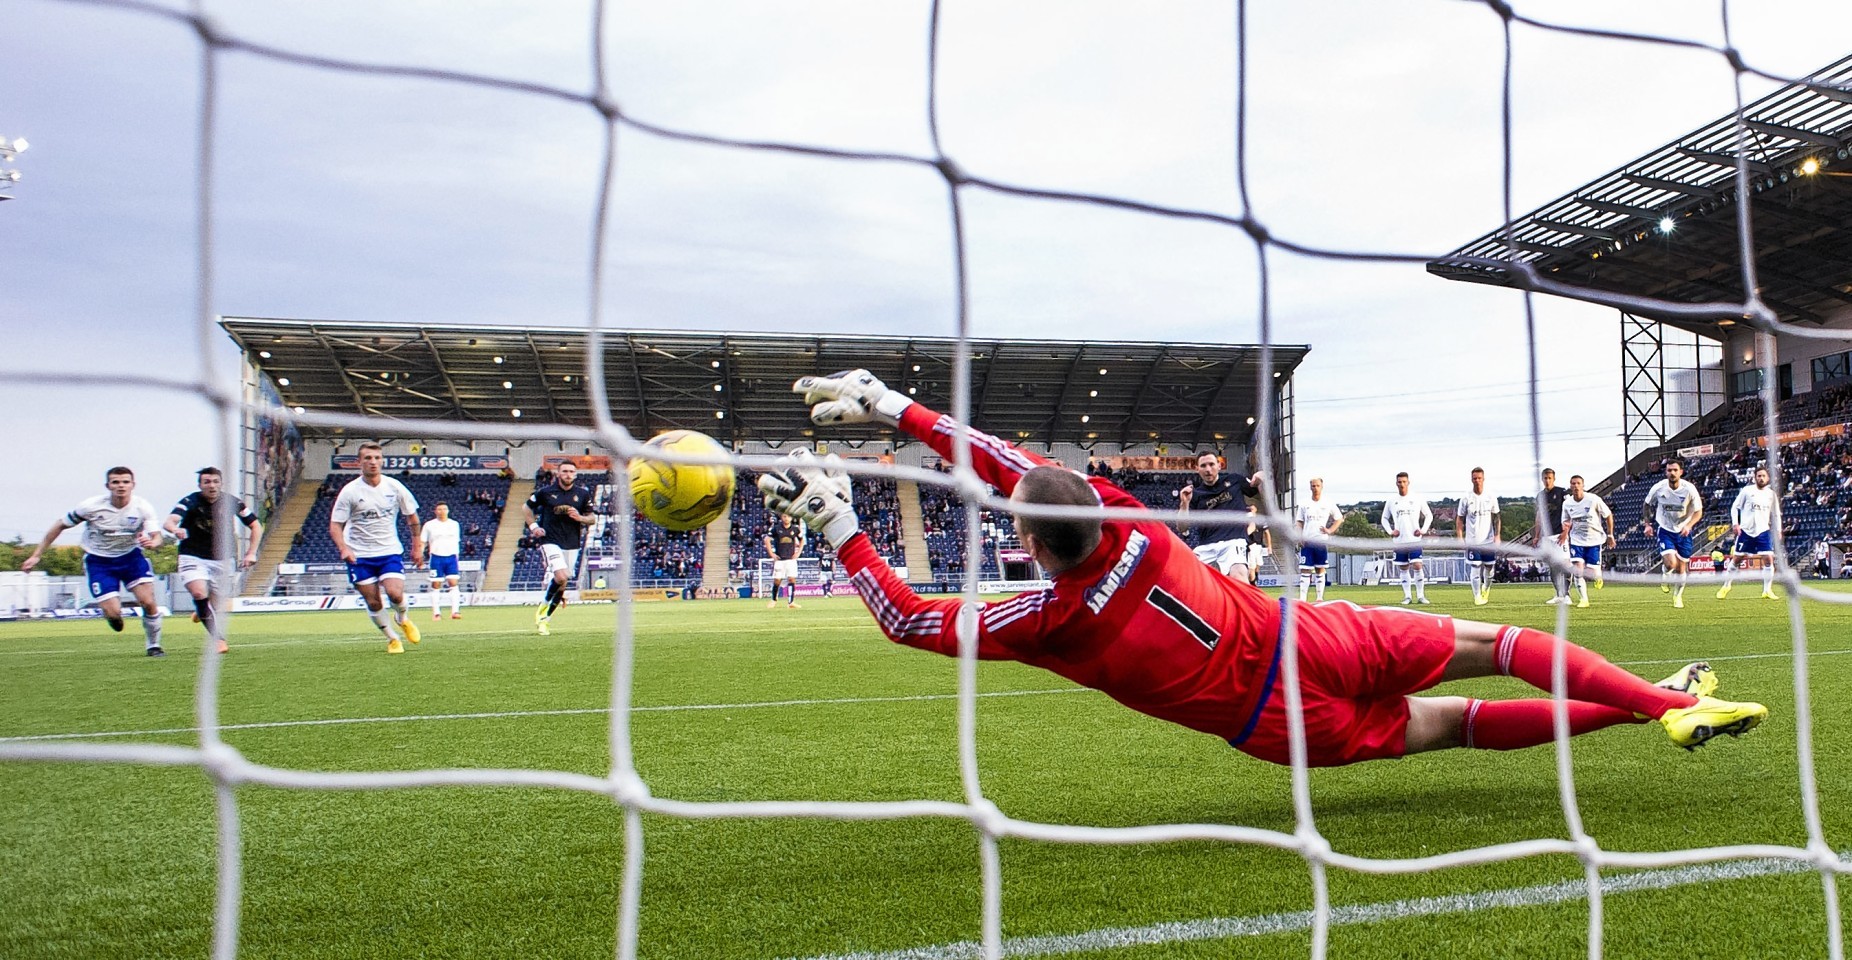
(666, 708)
(1228, 928)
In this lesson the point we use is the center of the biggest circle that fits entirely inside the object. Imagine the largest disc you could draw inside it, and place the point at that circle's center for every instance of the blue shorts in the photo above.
(1314, 555)
(1409, 555)
(1678, 543)
(112, 575)
(443, 566)
(1481, 556)
(375, 569)
(1588, 555)
(1747, 544)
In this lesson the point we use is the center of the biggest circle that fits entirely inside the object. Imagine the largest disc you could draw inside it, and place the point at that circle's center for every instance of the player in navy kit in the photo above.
(558, 514)
(205, 557)
(1134, 615)
(1225, 548)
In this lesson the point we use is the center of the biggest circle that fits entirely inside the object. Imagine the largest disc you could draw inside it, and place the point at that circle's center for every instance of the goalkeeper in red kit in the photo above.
(1135, 615)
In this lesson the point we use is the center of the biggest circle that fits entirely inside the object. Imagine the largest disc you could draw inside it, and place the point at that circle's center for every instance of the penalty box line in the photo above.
(1300, 921)
(506, 714)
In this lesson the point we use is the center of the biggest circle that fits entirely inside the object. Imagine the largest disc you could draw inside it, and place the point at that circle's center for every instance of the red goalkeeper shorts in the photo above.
(1356, 666)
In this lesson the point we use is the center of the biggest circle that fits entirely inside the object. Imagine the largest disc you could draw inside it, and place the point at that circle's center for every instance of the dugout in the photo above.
(1665, 226)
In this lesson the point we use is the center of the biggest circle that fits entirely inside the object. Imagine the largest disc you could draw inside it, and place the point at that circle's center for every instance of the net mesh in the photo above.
(228, 768)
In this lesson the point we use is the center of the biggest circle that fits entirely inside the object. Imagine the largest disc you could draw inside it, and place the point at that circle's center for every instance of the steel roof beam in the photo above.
(1560, 227)
(456, 402)
(1674, 186)
(636, 377)
(1202, 423)
(1724, 159)
(1624, 209)
(540, 371)
(360, 403)
(1666, 276)
(1792, 133)
(1144, 389)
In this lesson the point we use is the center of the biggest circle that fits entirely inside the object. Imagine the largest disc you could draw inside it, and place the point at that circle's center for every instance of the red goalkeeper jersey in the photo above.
(1140, 620)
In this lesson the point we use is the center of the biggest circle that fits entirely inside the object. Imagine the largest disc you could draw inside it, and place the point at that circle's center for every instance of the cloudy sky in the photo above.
(1373, 126)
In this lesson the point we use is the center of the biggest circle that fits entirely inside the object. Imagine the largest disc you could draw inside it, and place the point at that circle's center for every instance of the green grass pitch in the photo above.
(100, 861)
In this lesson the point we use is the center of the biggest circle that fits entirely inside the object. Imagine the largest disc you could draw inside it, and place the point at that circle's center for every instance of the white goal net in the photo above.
(959, 182)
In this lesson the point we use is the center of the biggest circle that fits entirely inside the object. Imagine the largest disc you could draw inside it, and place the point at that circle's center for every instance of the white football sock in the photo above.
(1321, 586)
(1406, 584)
(456, 598)
(383, 620)
(151, 626)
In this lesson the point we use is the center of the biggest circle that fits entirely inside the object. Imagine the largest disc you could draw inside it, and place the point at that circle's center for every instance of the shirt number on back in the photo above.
(1186, 618)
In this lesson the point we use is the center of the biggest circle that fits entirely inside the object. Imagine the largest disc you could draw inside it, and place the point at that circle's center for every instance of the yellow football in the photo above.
(681, 496)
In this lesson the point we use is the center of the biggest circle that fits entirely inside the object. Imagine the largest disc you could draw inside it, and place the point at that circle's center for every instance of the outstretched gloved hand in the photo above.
(852, 396)
(815, 493)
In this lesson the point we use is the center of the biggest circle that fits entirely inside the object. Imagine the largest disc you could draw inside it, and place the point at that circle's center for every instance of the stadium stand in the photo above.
(877, 501)
(1817, 504)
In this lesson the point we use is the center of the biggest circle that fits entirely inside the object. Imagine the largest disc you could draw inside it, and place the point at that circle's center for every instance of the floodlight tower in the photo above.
(10, 151)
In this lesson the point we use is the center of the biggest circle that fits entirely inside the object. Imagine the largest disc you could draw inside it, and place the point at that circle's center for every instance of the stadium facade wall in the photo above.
(1739, 350)
(524, 459)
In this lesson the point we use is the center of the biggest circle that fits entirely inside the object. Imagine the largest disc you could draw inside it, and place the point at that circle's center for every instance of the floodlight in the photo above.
(1666, 224)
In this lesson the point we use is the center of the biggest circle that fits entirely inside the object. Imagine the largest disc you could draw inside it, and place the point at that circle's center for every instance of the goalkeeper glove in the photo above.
(816, 496)
(852, 396)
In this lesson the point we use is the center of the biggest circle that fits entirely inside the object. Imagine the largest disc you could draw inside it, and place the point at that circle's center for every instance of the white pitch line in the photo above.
(96, 647)
(1228, 928)
(666, 708)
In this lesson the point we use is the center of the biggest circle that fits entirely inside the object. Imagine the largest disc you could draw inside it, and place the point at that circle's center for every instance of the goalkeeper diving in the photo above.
(1135, 615)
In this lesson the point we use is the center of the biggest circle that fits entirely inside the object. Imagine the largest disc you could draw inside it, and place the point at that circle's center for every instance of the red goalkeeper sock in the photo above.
(1525, 654)
(1513, 724)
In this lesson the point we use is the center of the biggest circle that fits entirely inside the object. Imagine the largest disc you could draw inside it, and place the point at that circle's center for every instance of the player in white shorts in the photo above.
(1407, 517)
(1222, 546)
(364, 526)
(784, 543)
(443, 540)
(117, 525)
(1318, 518)
(1752, 518)
(1260, 544)
(1587, 526)
(205, 558)
(1477, 521)
(558, 514)
(1671, 511)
